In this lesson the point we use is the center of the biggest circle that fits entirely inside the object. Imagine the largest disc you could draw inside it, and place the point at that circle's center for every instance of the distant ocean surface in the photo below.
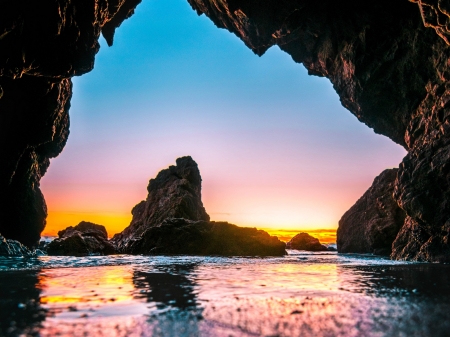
(302, 294)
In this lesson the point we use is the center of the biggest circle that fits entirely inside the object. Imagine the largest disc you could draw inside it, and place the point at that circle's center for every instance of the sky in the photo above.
(275, 148)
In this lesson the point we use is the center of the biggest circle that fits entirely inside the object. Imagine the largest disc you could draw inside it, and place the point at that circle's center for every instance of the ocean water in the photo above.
(301, 294)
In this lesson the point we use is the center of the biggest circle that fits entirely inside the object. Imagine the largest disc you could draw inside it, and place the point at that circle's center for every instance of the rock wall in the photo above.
(390, 70)
(42, 45)
(373, 222)
(387, 60)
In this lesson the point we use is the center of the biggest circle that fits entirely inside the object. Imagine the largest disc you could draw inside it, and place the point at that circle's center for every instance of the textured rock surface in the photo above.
(304, 241)
(372, 224)
(387, 60)
(10, 247)
(42, 45)
(84, 239)
(390, 70)
(174, 193)
(181, 236)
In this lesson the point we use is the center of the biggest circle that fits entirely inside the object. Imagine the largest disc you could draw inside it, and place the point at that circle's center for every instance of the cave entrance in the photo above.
(274, 146)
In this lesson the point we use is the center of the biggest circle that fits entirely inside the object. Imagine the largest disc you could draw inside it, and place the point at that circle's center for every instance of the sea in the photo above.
(300, 294)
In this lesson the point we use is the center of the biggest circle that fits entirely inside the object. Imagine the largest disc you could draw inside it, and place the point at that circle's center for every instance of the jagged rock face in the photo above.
(86, 238)
(304, 241)
(34, 126)
(10, 247)
(174, 193)
(372, 224)
(186, 237)
(42, 44)
(389, 69)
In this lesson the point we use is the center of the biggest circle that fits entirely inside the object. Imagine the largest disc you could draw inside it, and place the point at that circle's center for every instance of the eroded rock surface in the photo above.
(42, 45)
(10, 247)
(187, 237)
(304, 241)
(372, 224)
(389, 69)
(174, 193)
(172, 220)
(86, 238)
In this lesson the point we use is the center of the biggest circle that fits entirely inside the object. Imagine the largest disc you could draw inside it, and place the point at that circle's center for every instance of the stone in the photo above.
(373, 222)
(10, 247)
(187, 237)
(174, 193)
(84, 239)
(304, 241)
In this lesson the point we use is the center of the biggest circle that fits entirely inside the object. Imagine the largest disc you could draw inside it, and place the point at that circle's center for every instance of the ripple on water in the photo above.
(302, 294)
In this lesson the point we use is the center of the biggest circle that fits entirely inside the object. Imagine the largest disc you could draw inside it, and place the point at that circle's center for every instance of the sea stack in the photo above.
(373, 222)
(172, 220)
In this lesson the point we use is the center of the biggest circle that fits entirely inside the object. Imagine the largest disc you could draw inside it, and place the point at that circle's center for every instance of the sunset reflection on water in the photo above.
(303, 294)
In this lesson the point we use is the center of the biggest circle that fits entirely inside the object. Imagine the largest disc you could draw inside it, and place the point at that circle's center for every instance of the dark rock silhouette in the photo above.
(174, 193)
(304, 241)
(387, 60)
(373, 222)
(42, 45)
(10, 247)
(172, 220)
(186, 237)
(389, 69)
(84, 239)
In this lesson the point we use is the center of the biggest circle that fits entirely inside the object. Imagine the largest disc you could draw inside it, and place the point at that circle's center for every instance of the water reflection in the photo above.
(21, 312)
(297, 295)
(168, 286)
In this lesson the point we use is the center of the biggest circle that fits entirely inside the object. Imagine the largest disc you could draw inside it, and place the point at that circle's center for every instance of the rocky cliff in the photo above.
(42, 45)
(390, 70)
(372, 224)
(387, 60)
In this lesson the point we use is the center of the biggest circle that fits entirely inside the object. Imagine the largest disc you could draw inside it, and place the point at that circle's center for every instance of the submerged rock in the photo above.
(182, 236)
(172, 220)
(372, 224)
(84, 239)
(10, 247)
(304, 241)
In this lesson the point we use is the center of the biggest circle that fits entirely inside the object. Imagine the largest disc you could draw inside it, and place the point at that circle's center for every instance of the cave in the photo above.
(388, 62)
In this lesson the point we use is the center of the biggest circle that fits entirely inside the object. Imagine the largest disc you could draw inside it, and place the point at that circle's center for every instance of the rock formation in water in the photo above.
(84, 239)
(42, 45)
(172, 220)
(390, 70)
(388, 62)
(174, 193)
(186, 237)
(10, 247)
(304, 241)
(372, 224)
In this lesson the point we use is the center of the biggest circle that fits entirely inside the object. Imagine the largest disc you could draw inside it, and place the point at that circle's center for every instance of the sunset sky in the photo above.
(274, 146)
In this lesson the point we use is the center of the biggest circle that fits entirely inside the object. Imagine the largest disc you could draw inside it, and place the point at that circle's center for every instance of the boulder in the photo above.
(84, 239)
(304, 241)
(187, 237)
(10, 247)
(372, 224)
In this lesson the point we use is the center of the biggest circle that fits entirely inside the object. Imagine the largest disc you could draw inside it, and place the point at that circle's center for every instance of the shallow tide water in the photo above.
(301, 294)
